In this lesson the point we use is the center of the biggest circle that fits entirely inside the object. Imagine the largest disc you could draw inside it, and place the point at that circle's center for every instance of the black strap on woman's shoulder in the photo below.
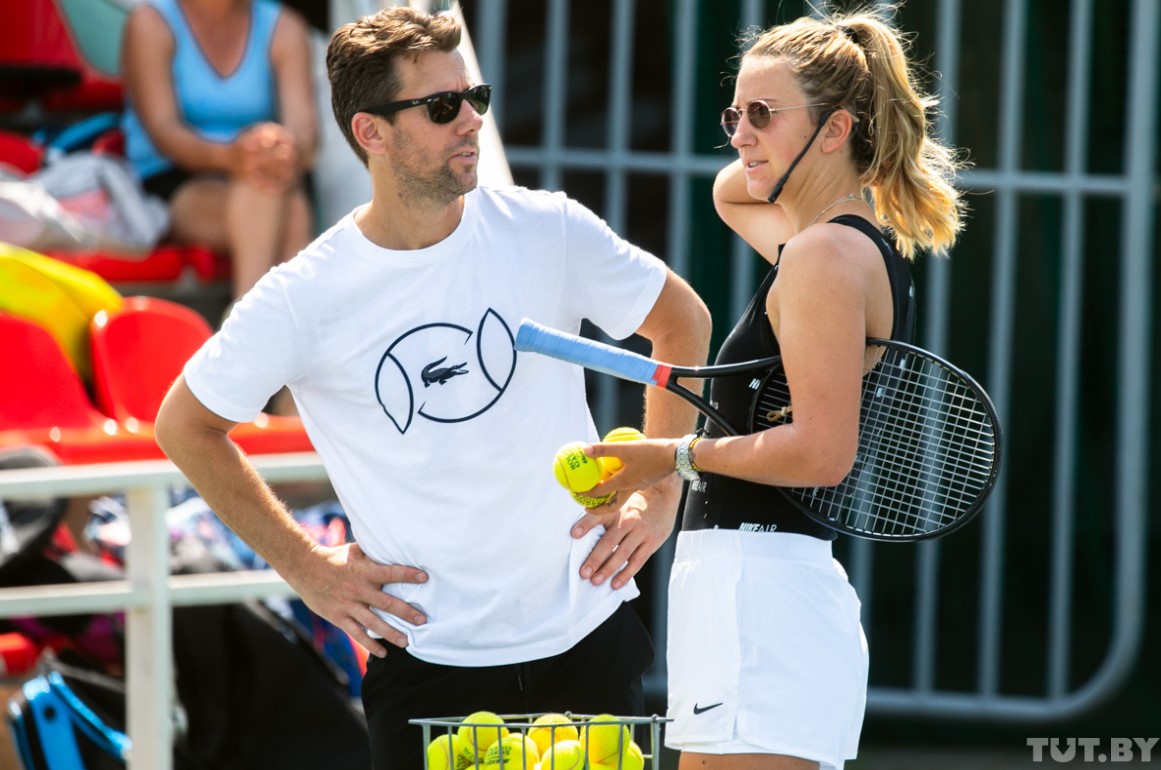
(899, 272)
(869, 229)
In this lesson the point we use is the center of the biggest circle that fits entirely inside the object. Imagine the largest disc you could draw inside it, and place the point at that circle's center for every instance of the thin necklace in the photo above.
(848, 197)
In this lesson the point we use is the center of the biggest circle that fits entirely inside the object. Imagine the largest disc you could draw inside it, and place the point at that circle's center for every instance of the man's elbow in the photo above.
(167, 430)
(692, 334)
(702, 325)
(181, 420)
(679, 325)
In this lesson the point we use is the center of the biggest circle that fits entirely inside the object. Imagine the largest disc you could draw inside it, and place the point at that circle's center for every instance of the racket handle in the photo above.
(532, 337)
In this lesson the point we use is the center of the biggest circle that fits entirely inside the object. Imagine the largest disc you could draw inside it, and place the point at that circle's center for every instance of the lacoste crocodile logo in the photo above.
(434, 374)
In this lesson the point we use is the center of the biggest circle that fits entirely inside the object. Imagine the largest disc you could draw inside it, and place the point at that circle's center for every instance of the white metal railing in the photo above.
(148, 593)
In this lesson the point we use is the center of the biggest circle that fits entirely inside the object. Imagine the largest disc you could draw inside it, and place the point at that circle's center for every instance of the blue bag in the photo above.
(54, 729)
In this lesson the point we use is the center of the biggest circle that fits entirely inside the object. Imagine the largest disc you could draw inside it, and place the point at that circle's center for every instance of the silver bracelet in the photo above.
(683, 458)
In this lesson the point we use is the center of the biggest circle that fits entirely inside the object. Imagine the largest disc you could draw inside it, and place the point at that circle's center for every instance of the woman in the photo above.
(767, 660)
(221, 124)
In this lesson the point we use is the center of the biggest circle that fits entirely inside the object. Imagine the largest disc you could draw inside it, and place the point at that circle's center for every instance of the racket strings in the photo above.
(927, 450)
(931, 438)
(909, 428)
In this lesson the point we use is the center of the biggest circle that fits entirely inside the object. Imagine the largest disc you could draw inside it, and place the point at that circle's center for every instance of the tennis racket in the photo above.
(929, 438)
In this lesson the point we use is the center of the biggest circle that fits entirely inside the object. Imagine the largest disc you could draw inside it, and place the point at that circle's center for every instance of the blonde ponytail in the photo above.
(858, 62)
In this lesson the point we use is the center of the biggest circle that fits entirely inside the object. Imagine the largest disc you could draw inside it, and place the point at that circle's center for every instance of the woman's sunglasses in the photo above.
(757, 112)
(442, 107)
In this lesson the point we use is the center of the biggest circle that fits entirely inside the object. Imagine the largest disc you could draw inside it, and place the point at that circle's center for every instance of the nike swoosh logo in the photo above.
(702, 709)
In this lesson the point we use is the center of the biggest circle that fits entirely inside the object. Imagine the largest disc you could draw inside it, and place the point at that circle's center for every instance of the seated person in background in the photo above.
(220, 122)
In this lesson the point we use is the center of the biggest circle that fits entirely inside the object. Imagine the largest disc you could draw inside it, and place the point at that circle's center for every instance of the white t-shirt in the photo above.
(437, 436)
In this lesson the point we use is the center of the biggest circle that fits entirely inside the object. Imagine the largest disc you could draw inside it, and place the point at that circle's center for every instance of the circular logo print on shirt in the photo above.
(445, 372)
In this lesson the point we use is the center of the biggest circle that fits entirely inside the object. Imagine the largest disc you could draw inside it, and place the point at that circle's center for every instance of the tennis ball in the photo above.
(623, 433)
(531, 750)
(480, 730)
(588, 501)
(511, 753)
(633, 758)
(576, 471)
(610, 465)
(563, 755)
(547, 729)
(604, 738)
(449, 752)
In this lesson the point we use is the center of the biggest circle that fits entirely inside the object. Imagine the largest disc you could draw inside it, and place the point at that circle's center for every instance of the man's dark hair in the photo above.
(362, 59)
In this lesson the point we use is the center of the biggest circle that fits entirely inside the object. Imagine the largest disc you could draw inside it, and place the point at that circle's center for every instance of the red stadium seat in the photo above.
(40, 61)
(43, 402)
(272, 434)
(111, 143)
(35, 50)
(209, 266)
(165, 264)
(139, 350)
(137, 353)
(20, 152)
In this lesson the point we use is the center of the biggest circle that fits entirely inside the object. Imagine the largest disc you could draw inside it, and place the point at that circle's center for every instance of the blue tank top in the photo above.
(217, 108)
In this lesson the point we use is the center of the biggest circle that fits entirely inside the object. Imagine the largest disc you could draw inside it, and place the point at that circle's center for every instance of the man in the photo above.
(394, 333)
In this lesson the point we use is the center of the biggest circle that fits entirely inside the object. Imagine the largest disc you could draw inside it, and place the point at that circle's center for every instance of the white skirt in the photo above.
(766, 652)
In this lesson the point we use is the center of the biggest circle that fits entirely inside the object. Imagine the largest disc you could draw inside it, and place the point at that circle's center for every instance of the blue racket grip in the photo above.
(532, 337)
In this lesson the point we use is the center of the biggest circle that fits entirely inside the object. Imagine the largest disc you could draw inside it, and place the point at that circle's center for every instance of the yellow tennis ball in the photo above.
(511, 753)
(449, 752)
(633, 758)
(531, 750)
(547, 729)
(588, 501)
(610, 465)
(623, 434)
(480, 730)
(576, 471)
(563, 755)
(630, 759)
(604, 737)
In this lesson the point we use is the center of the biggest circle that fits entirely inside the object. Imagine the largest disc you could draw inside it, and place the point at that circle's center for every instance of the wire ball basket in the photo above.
(560, 741)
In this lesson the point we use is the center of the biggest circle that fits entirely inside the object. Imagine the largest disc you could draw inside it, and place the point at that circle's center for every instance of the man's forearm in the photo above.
(680, 333)
(667, 415)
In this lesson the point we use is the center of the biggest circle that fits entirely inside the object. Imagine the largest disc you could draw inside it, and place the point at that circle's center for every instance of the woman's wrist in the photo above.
(683, 458)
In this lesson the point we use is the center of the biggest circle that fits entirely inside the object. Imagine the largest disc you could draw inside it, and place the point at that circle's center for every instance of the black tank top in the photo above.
(729, 503)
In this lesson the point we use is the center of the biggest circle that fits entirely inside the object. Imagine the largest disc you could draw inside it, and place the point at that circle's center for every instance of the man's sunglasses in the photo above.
(757, 112)
(442, 107)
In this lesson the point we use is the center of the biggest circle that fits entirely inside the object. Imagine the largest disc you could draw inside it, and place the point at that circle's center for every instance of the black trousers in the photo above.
(601, 674)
